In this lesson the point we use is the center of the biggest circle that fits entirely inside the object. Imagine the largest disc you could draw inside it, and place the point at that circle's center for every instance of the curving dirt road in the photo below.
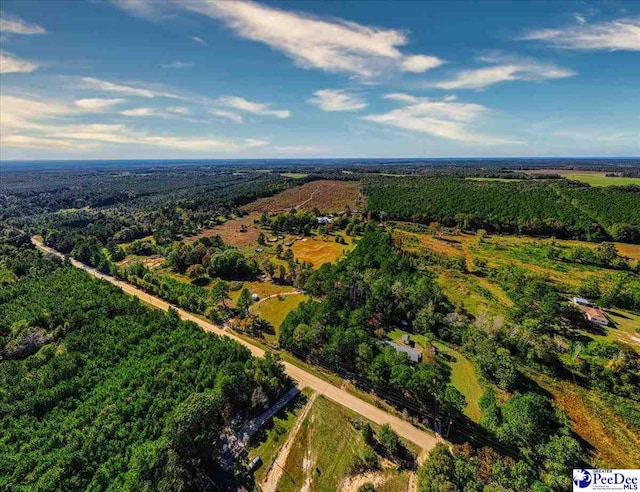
(404, 429)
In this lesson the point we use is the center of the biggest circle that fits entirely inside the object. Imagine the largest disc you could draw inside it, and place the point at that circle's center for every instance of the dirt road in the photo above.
(304, 378)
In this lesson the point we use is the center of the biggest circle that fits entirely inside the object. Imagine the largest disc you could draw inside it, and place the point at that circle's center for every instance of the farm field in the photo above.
(325, 449)
(593, 178)
(600, 179)
(327, 196)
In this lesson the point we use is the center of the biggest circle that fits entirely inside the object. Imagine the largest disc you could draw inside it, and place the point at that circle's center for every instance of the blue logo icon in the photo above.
(582, 478)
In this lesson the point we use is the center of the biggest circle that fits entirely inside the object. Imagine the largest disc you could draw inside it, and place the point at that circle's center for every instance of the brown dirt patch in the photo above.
(327, 196)
(231, 234)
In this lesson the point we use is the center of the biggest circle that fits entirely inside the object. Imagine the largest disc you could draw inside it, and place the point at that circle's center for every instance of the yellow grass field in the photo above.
(275, 309)
(327, 196)
(318, 251)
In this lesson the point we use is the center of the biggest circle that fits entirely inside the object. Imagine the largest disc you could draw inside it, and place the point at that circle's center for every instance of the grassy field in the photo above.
(268, 441)
(614, 443)
(275, 310)
(327, 196)
(600, 179)
(327, 444)
(319, 251)
(465, 379)
(294, 175)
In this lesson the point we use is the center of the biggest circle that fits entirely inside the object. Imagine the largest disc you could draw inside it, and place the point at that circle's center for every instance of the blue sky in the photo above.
(201, 78)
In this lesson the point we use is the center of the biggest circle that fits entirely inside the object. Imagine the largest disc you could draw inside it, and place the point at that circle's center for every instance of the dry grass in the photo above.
(615, 444)
(230, 231)
(318, 251)
(327, 196)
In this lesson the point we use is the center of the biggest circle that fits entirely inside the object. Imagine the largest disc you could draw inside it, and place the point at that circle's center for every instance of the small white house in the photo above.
(581, 301)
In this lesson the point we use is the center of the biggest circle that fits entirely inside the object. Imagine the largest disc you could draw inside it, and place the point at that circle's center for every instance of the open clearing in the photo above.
(318, 251)
(275, 309)
(593, 178)
(327, 196)
(614, 443)
(321, 456)
(231, 233)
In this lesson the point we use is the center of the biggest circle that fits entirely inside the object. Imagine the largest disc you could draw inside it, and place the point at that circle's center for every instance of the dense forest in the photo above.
(538, 208)
(102, 393)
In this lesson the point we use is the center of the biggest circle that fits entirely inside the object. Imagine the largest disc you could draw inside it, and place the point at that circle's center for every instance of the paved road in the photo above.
(304, 378)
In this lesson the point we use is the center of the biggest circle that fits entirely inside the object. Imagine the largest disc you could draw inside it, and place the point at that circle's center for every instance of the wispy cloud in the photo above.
(177, 64)
(40, 123)
(446, 119)
(620, 34)
(241, 104)
(229, 115)
(170, 112)
(506, 70)
(12, 64)
(332, 45)
(337, 100)
(128, 90)
(10, 24)
(198, 40)
(97, 104)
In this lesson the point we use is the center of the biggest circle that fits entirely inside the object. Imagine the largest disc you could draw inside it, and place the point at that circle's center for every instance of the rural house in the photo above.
(414, 355)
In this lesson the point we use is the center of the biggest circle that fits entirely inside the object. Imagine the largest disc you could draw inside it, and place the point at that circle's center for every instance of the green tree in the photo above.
(244, 302)
(220, 292)
(389, 439)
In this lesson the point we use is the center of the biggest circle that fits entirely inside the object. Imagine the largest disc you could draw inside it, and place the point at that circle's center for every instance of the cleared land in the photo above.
(603, 180)
(318, 251)
(614, 443)
(327, 196)
(593, 178)
(325, 448)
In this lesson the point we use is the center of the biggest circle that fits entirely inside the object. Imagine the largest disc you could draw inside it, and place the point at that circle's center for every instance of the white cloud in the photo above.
(230, 115)
(177, 64)
(332, 45)
(440, 118)
(620, 34)
(242, 104)
(181, 110)
(152, 10)
(11, 64)
(525, 69)
(420, 63)
(170, 112)
(198, 40)
(105, 86)
(40, 123)
(10, 24)
(337, 100)
(97, 104)
(139, 112)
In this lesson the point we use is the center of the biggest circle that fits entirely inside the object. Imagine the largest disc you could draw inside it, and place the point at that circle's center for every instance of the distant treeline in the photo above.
(559, 209)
